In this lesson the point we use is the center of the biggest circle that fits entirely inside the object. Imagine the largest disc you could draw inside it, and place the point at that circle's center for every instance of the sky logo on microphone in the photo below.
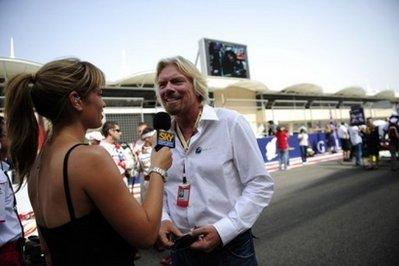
(165, 139)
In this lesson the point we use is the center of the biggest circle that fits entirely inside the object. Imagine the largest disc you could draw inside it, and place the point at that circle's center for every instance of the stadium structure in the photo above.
(133, 99)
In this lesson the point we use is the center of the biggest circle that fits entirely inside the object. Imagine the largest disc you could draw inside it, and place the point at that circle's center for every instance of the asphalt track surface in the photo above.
(326, 214)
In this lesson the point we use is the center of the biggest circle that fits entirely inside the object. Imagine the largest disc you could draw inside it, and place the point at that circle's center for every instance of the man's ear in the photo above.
(75, 100)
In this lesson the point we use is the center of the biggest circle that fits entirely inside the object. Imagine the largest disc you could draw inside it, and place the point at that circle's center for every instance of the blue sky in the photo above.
(334, 44)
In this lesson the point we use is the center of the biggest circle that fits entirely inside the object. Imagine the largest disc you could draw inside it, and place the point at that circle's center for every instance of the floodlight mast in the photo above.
(201, 55)
(12, 54)
(197, 57)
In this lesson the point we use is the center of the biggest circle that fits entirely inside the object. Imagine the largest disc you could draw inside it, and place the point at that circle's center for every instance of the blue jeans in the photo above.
(239, 251)
(358, 153)
(283, 158)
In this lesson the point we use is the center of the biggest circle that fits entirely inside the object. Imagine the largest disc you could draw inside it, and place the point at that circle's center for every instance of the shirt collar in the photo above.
(5, 166)
(208, 113)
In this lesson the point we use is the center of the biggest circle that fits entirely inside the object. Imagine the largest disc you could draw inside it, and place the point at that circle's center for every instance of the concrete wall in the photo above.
(240, 100)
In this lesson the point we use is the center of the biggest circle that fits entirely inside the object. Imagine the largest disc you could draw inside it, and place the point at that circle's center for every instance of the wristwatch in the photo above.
(159, 171)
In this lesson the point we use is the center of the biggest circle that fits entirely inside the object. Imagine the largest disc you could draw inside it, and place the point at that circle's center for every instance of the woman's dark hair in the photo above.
(47, 93)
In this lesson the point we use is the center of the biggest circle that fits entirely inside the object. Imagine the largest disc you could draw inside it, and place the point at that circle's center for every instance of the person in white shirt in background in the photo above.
(94, 137)
(218, 184)
(112, 134)
(343, 136)
(131, 173)
(356, 141)
(136, 145)
(135, 149)
(11, 230)
(144, 159)
(303, 138)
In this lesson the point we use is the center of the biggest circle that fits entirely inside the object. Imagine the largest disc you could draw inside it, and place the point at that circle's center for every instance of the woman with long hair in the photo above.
(84, 212)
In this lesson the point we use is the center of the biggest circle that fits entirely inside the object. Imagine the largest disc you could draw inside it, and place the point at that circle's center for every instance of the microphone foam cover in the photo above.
(162, 121)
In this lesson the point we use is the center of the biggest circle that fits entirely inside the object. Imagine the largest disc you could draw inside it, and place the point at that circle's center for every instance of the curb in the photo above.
(297, 162)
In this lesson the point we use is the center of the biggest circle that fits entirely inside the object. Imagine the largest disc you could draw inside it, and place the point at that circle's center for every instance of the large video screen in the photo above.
(224, 59)
(356, 115)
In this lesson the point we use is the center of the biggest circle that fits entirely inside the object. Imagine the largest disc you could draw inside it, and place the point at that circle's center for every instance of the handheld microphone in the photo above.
(162, 124)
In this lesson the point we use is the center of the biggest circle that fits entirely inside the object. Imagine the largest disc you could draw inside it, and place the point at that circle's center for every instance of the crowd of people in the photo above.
(364, 142)
(199, 199)
(359, 143)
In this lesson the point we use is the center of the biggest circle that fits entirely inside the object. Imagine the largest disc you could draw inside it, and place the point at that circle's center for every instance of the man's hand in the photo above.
(208, 240)
(165, 230)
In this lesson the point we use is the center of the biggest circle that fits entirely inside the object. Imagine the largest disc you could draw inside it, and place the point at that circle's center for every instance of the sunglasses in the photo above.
(117, 129)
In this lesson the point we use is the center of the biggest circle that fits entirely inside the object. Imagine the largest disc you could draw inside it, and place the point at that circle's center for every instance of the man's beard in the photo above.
(175, 110)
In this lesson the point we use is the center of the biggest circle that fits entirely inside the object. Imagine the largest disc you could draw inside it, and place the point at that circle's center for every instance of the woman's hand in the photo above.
(161, 158)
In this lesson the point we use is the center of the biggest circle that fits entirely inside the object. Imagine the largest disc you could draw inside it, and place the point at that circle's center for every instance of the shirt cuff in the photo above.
(227, 231)
(165, 216)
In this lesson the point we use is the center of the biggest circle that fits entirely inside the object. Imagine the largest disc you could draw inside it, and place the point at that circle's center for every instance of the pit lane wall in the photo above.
(317, 141)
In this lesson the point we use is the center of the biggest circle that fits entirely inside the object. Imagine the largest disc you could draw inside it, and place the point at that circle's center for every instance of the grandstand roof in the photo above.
(249, 85)
(140, 79)
(304, 88)
(10, 67)
(385, 94)
(353, 91)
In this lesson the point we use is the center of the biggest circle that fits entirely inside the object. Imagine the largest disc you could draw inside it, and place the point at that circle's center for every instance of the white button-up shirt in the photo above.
(230, 185)
(342, 132)
(10, 228)
(354, 135)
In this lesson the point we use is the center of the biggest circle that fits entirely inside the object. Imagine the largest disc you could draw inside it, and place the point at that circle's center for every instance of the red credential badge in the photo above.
(183, 195)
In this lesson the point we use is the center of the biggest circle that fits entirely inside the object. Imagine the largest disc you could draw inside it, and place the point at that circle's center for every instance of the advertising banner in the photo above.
(267, 146)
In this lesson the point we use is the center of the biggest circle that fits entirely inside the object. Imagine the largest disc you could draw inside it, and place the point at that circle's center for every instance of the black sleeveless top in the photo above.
(87, 240)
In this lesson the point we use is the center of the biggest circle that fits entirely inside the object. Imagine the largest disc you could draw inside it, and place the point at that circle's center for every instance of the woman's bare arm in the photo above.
(101, 181)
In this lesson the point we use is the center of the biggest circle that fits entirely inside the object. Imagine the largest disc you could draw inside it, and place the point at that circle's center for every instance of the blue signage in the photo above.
(268, 148)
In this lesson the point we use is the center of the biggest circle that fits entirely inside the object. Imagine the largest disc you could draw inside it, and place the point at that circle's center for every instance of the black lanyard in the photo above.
(185, 144)
(184, 172)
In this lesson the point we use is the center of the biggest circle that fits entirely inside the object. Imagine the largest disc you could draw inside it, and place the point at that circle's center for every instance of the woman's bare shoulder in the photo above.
(92, 151)
(89, 156)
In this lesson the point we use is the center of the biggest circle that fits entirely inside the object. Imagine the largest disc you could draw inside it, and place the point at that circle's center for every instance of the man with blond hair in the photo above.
(215, 191)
